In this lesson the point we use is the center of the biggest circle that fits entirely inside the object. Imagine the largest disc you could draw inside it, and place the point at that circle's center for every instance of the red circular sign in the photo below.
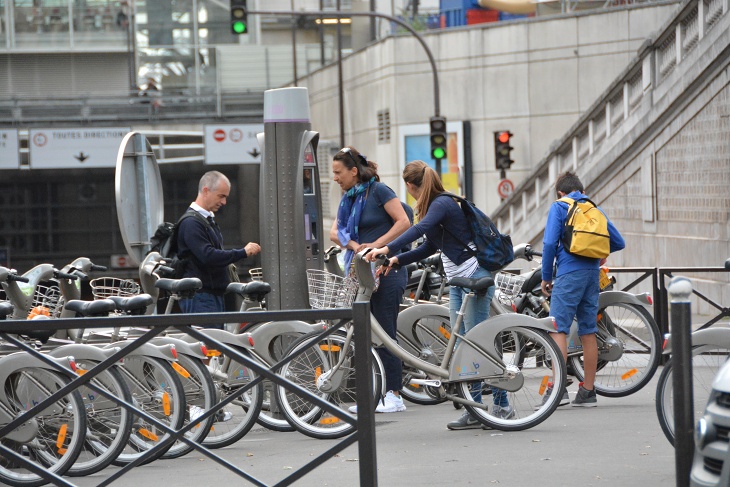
(219, 135)
(505, 188)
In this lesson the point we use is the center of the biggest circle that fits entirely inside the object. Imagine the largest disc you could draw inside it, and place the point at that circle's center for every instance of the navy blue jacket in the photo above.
(443, 211)
(209, 260)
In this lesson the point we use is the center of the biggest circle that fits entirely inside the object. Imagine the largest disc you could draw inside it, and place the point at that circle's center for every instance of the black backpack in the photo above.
(164, 241)
(494, 250)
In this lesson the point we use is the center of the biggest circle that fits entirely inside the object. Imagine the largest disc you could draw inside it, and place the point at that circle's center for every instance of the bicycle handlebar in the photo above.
(101, 268)
(166, 269)
(63, 275)
(15, 277)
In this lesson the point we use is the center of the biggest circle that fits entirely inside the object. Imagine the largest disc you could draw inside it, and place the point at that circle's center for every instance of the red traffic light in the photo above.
(503, 137)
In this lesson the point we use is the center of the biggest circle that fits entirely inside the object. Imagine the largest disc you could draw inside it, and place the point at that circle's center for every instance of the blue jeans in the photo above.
(204, 303)
(384, 305)
(476, 311)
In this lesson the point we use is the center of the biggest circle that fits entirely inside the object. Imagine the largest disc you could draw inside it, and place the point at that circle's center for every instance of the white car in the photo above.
(711, 465)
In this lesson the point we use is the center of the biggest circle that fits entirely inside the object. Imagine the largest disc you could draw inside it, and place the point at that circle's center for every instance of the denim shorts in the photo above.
(575, 295)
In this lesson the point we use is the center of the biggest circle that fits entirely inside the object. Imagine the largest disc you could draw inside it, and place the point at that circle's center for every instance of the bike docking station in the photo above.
(292, 237)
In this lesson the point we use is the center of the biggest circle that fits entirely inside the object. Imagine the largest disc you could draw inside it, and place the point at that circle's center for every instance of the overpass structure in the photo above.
(653, 151)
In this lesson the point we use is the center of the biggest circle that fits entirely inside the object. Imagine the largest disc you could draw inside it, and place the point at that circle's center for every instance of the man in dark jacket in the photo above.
(200, 240)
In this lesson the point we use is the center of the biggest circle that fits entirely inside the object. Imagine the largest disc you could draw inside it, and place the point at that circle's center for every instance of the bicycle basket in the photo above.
(327, 290)
(103, 287)
(257, 274)
(509, 286)
(46, 301)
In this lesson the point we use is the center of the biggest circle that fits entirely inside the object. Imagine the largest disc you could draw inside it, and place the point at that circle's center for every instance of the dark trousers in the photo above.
(384, 305)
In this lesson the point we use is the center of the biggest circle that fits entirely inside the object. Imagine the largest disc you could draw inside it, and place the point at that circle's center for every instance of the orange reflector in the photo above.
(330, 348)
(213, 353)
(445, 332)
(317, 373)
(148, 434)
(181, 370)
(81, 371)
(62, 451)
(629, 374)
(329, 420)
(166, 403)
(599, 317)
(543, 385)
(61, 438)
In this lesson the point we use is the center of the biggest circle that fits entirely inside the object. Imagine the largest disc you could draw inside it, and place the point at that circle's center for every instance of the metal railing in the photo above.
(364, 424)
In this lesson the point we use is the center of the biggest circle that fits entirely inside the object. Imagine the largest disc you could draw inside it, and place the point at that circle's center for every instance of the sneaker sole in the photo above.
(584, 405)
(459, 428)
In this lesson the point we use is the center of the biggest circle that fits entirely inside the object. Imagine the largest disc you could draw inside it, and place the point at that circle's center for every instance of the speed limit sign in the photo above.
(505, 188)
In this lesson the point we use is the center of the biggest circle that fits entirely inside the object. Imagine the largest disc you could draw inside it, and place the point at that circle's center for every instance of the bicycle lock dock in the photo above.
(364, 424)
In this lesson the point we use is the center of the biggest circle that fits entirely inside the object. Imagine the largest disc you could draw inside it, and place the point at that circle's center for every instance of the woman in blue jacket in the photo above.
(445, 227)
(370, 215)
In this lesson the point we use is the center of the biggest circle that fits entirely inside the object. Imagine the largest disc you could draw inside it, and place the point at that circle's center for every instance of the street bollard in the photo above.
(680, 289)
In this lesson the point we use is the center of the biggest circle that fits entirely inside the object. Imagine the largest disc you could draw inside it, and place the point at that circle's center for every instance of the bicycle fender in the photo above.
(468, 363)
(709, 336)
(163, 352)
(82, 352)
(267, 332)
(409, 316)
(610, 297)
(21, 360)
(185, 348)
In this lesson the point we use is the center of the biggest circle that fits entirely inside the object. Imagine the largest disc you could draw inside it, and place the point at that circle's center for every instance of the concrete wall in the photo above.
(534, 77)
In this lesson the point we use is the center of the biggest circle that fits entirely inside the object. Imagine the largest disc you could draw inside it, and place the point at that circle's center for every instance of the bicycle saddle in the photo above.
(479, 286)
(179, 285)
(6, 309)
(135, 305)
(101, 307)
(255, 289)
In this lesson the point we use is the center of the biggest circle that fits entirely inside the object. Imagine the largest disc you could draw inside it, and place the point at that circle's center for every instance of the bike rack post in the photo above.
(680, 289)
(364, 387)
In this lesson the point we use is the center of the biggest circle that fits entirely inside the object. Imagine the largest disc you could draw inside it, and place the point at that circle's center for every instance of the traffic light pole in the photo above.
(321, 14)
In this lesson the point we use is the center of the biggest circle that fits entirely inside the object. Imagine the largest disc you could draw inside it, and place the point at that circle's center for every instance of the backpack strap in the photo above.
(461, 201)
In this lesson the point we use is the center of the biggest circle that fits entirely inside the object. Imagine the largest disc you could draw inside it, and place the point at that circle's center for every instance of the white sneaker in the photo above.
(390, 404)
(195, 412)
(352, 409)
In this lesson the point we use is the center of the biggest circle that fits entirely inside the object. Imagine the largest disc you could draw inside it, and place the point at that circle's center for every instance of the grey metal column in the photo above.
(286, 118)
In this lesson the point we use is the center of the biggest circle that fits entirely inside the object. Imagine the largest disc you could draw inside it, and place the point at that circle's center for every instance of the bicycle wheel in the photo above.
(534, 365)
(313, 370)
(157, 390)
(108, 425)
(706, 362)
(237, 418)
(53, 439)
(200, 396)
(432, 335)
(271, 416)
(629, 349)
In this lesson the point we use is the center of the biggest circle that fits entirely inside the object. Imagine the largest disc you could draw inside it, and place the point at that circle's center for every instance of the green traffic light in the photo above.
(239, 27)
(439, 153)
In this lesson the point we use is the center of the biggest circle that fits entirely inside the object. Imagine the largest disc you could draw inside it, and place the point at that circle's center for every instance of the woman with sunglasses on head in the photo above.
(445, 227)
(369, 216)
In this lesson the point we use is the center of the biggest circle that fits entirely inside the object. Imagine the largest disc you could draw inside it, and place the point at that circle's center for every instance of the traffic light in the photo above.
(439, 138)
(502, 149)
(239, 17)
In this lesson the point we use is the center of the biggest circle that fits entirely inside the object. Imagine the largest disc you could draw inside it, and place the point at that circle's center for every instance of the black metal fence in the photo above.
(660, 277)
(364, 424)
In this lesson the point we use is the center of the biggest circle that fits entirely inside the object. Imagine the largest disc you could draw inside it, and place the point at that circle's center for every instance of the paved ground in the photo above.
(619, 444)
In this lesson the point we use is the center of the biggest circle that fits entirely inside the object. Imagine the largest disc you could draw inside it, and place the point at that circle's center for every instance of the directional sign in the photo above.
(75, 148)
(232, 144)
(505, 188)
(9, 154)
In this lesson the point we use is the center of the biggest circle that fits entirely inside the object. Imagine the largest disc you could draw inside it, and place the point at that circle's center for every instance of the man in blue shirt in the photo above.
(574, 291)
(202, 243)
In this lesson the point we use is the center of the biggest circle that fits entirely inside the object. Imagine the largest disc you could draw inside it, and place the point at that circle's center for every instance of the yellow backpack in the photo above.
(586, 229)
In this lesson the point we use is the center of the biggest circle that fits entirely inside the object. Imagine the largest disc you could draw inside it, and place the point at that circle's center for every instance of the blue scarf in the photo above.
(351, 207)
